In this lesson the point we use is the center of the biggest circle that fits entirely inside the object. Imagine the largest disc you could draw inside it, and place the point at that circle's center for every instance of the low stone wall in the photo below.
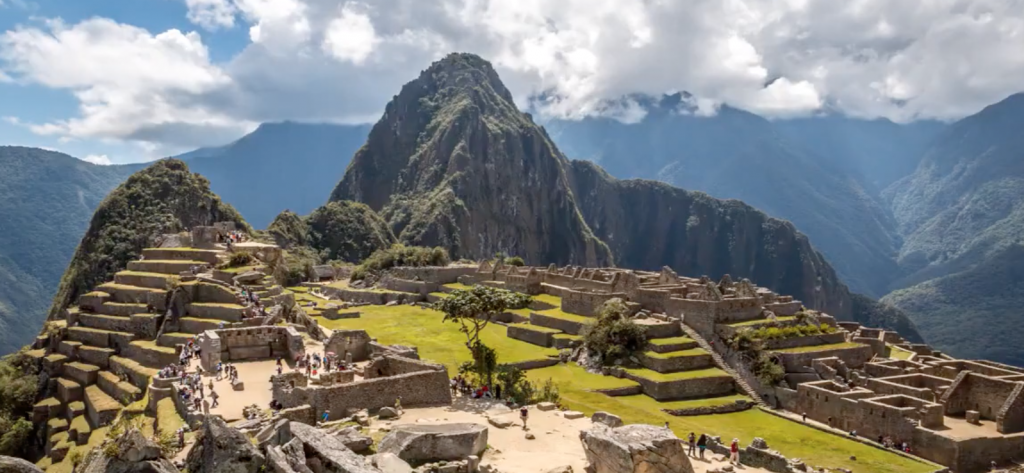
(793, 342)
(624, 391)
(249, 343)
(225, 313)
(529, 336)
(567, 326)
(678, 363)
(152, 358)
(740, 405)
(684, 388)
(534, 364)
(435, 274)
(854, 357)
(422, 288)
(372, 297)
(354, 342)
(586, 303)
(784, 308)
(661, 329)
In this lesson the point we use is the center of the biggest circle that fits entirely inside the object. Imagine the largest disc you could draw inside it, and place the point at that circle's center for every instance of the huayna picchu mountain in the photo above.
(454, 163)
(163, 198)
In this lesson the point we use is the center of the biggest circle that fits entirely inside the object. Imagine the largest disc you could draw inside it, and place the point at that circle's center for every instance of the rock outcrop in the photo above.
(325, 453)
(17, 465)
(221, 449)
(417, 443)
(133, 453)
(635, 448)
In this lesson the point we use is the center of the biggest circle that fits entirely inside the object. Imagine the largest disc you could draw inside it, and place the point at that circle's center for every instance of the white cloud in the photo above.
(350, 36)
(4, 78)
(100, 159)
(315, 61)
(211, 14)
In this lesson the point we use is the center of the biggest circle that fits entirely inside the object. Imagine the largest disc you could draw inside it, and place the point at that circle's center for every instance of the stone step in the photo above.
(198, 325)
(149, 354)
(138, 374)
(188, 254)
(57, 446)
(100, 408)
(69, 348)
(68, 390)
(136, 278)
(99, 337)
(57, 424)
(122, 391)
(562, 341)
(79, 430)
(225, 312)
(671, 362)
(172, 339)
(123, 309)
(127, 293)
(166, 266)
(75, 409)
(46, 409)
(91, 301)
(693, 384)
(96, 355)
(82, 373)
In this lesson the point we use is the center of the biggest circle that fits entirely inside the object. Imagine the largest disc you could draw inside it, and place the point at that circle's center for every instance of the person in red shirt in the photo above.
(734, 452)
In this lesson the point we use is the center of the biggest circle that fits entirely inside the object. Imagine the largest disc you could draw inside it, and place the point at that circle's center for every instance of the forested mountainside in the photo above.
(738, 155)
(46, 199)
(454, 163)
(962, 217)
(165, 197)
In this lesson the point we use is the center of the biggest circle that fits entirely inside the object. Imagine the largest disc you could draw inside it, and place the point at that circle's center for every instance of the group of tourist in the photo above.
(697, 445)
(888, 442)
(188, 351)
(462, 385)
(193, 392)
(230, 370)
(253, 305)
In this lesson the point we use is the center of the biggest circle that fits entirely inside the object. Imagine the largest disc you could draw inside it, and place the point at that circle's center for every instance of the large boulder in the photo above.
(611, 420)
(636, 448)
(221, 449)
(420, 443)
(250, 277)
(390, 463)
(354, 439)
(17, 465)
(326, 453)
(133, 453)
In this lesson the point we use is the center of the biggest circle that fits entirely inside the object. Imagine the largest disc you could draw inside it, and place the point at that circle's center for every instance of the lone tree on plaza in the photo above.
(473, 309)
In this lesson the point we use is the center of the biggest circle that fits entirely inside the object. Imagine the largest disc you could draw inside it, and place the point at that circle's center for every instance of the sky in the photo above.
(115, 81)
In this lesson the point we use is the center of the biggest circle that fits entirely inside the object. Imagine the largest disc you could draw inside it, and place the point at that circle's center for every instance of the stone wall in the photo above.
(250, 343)
(394, 283)
(684, 388)
(371, 297)
(977, 392)
(356, 342)
(587, 303)
(853, 357)
(435, 274)
(792, 342)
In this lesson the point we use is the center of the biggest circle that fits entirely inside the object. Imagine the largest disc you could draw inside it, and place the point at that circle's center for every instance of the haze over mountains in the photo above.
(945, 232)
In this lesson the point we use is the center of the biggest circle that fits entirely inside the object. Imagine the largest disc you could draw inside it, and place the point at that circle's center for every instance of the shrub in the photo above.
(400, 255)
(515, 261)
(767, 370)
(614, 335)
(239, 259)
(747, 339)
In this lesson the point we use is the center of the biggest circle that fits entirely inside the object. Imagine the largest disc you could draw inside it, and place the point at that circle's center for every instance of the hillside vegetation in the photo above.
(162, 198)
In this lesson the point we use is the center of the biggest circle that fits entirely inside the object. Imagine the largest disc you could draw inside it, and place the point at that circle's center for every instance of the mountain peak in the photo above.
(463, 72)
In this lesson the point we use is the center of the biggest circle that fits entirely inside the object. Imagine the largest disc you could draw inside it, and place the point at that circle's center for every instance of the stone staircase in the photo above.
(741, 379)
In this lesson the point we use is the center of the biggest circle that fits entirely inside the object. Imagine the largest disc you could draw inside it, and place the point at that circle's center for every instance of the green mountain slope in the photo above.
(342, 231)
(46, 199)
(165, 197)
(962, 216)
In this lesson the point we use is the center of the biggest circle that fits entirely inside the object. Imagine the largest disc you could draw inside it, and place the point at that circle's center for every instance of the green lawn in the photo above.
(834, 346)
(676, 354)
(791, 438)
(749, 323)
(535, 328)
(549, 299)
(458, 285)
(559, 314)
(437, 341)
(898, 353)
(669, 341)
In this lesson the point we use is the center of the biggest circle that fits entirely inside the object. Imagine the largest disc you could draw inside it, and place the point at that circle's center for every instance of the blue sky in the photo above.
(135, 80)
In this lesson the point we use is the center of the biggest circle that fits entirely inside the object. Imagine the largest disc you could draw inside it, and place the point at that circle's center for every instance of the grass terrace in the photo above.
(669, 341)
(692, 374)
(898, 353)
(458, 285)
(793, 439)
(676, 354)
(549, 299)
(535, 328)
(242, 269)
(834, 346)
(559, 314)
(438, 342)
(755, 322)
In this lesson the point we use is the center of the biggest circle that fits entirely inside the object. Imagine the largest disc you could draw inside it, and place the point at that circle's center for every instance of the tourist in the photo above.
(734, 452)
(523, 414)
(398, 405)
(702, 443)
(691, 441)
(327, 415)
(497, 391)
(214, 396)
(804, 415)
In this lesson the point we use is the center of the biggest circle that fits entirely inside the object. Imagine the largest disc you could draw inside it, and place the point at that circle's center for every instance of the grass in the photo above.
(437, 341)
(151, 345)
(793, 439)
(834, 346)
(298, 289)
(548, 299)
(80, 425)
(681, 375)
(101, 400)
(113, 286)
(898, 353)
(535, 328)
(648, 402)
(167, 417)
(65, 466)
(218, 304)
(458, 285)
(676, 354)
(144, 273)
(559, 314)
(242, 269)
(439, 294)
(670, 341)
(749, 323)
(567, 336)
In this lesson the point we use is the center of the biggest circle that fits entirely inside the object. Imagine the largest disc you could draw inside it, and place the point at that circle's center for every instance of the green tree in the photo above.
(614, 335)
(473, 309)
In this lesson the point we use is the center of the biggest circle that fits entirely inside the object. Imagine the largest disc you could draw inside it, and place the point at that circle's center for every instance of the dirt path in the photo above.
(557, 441)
